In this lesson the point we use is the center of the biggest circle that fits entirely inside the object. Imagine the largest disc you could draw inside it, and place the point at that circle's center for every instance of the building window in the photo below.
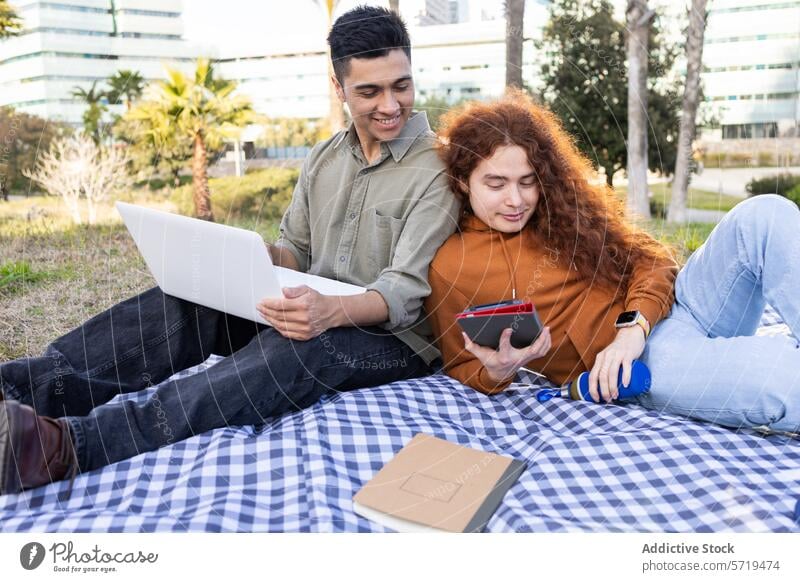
(67, 7)
(775, 36)
(82, 32)
(137, 12)
(750, 130)
(753, 7)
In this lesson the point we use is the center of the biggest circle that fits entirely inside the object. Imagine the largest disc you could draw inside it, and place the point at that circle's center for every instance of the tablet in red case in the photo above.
(484, 324)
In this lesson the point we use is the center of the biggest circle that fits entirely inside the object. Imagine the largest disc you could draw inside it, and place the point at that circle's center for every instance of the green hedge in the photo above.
(794, 194)
(263, 195)
(775, 184)
(658, 209)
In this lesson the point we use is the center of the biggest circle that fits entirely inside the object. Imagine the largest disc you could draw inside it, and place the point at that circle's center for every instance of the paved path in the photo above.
(710, 216)
(732, 181)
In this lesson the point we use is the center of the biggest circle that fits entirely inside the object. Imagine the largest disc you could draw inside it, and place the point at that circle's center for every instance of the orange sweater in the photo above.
(471, 269)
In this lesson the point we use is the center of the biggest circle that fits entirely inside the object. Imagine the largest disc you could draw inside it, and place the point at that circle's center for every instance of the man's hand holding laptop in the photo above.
(304, 313)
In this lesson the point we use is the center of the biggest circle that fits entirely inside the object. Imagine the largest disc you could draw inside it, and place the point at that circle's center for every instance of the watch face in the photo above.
(627, 317)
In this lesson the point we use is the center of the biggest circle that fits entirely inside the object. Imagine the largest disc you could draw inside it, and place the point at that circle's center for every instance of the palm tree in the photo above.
(10, 23)
(515, 16)
(691, 99)
(206, 111)
(127, 85)
(153, 139)
(93, 114)
(336, 114)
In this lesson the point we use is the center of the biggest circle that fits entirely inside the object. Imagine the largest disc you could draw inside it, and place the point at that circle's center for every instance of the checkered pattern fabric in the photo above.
(589, 468)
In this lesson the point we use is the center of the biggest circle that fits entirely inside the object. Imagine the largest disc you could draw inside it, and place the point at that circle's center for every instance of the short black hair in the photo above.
(366, 32)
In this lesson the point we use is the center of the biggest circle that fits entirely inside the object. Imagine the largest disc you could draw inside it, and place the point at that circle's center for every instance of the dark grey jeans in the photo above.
(147, 338)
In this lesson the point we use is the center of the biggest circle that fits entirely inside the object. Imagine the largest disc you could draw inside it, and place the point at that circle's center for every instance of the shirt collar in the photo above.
(416, 125)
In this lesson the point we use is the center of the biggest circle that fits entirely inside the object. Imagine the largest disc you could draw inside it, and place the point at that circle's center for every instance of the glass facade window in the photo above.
(44, 54)
(776, 36)
(75, 78)
(81, 32)
(137, 12)
(773, 96)
(149, 35)
(46, 101)
(66, 7)
(750, 130)
(95, 10)
(70, 31)
(753, 7)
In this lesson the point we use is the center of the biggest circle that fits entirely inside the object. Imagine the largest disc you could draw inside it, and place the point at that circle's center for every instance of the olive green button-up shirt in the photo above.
(376, 224)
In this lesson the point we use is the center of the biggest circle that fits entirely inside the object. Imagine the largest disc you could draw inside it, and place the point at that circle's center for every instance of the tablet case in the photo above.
(484, 324)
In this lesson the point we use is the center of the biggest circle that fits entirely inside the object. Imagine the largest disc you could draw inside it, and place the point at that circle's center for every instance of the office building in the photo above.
(74, 43)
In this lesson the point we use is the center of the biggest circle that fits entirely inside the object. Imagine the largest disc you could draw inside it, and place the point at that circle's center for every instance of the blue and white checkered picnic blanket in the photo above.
(589, 468)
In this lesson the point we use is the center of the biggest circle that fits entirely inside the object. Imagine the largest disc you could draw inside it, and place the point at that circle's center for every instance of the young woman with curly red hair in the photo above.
(536, 228)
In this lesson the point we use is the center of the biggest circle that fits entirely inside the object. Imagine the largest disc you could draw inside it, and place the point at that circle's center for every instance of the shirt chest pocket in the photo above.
(378, 239)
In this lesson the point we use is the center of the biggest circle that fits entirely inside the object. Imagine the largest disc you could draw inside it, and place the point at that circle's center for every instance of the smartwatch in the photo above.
(631, 318)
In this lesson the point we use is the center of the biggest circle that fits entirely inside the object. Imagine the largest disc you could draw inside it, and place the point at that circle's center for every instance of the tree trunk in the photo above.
(394, 6)
(202, 194)
(639, 17)
(74, 209)
(92, 210)
(515, 16)
(336, 111)
(691, 99)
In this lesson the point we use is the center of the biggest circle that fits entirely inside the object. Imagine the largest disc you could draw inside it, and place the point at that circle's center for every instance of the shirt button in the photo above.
(341, 259)
(352, 215)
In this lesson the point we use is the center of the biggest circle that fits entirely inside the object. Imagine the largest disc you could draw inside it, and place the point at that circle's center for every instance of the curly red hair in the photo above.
(583, 221)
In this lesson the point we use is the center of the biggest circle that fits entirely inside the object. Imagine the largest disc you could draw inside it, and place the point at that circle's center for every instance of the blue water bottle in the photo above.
(578, 389)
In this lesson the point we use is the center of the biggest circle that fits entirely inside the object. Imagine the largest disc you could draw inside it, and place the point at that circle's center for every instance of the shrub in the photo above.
(775, 184)
(766, 159)
(794, 195)
(658, 209)
(264, 195)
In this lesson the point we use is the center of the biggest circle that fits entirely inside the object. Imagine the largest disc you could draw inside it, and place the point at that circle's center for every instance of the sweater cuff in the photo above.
(650, 309)
(489, 386)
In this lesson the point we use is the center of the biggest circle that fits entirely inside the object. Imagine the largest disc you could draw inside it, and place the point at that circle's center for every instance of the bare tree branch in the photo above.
(76, 168)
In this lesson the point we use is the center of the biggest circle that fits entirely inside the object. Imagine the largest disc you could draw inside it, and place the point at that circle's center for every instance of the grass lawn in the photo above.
(54, 275)
(699, 199)
(57, 280)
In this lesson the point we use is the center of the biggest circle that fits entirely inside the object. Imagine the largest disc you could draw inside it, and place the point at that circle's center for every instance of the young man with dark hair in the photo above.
(370, 208)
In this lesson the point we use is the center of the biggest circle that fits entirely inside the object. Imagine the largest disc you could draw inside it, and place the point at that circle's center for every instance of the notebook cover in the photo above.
(485, 330)
(439, 484)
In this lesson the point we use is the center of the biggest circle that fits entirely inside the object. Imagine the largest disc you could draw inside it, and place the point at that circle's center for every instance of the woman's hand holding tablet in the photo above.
(504, 336)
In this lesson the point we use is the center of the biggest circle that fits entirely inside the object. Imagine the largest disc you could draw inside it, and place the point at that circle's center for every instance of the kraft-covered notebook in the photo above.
(434, 485)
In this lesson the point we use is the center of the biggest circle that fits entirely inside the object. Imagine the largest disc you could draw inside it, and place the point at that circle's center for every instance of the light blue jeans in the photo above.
(705, 360)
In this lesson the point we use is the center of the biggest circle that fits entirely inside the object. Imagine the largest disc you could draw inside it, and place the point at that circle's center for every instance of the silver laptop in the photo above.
(218, 266)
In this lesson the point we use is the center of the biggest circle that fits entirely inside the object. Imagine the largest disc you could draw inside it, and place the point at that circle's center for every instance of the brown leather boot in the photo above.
(34, 450)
